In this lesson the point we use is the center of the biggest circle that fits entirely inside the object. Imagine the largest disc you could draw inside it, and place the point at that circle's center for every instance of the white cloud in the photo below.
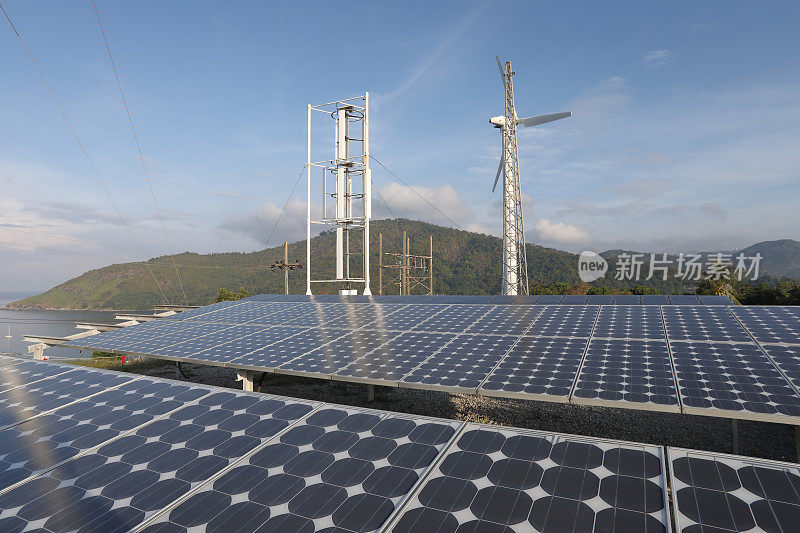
(560, 232)
(657, 58)
(405, 203)
(258, 225)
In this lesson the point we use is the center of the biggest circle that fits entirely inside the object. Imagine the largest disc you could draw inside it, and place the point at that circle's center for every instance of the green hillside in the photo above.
(464, 263)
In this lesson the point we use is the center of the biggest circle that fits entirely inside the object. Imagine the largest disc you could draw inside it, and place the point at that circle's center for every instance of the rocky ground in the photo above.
(756, 439)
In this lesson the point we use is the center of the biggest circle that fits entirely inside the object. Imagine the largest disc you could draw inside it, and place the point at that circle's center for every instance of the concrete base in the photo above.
(179, 371)
(247, 377)
(370, 393)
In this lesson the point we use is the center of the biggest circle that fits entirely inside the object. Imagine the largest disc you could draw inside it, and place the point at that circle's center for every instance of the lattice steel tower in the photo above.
(515, 262)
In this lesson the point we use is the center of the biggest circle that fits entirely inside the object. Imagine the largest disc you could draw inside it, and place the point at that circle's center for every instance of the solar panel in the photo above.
(21, 403)
(629, 321)
(128, 480)
(574, 299)
(770, 324)
(727, 493)
(627, 299)
(710, 299)
(505, 320)
(406, 318)
(222, 353)
(787, 359)
(43, 442)
(703, 324)
(537, 368)
(323, 361)
(273, 355)
(654, 299)
(734, 380)
(684, 299)
(454, 318)
(600, 299)
(564, 321)
(206, 309)
(398, 356)
(18, 372)
(495, 479)
(550, 299)
(341, 468)
(616, 372)
(461, 365)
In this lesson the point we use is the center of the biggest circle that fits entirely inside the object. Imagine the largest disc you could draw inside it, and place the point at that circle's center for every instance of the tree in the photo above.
(225, 295)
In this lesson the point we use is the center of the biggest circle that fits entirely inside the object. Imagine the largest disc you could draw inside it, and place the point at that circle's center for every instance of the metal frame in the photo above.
(344, 166)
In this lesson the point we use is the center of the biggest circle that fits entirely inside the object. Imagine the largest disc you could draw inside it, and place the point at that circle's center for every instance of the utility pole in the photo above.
(286, 266)
(405, 265)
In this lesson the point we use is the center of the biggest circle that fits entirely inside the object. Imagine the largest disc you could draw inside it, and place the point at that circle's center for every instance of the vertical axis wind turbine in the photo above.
(515, 262)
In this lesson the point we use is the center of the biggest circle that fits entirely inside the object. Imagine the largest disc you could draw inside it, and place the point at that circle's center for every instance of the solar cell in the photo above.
(255, 312)
(564, 321)
(770, 324)
(189, 332)
(43, 442)
(537, 368)
(699, 323)
(398, 356)
(406, 318)
(495, 479)
(734, 380)
(341, 469)
(574, 299)
(550, 299)
(206, 309)
(727, 493)
(21, 403)
(461, 365)
(654, 299)
(629, 321)
(627, 373)
(337, 354)
(505, 320)
(128, 480)
(627, 299)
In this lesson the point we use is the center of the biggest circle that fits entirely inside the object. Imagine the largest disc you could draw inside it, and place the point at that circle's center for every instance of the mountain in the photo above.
(464, 263)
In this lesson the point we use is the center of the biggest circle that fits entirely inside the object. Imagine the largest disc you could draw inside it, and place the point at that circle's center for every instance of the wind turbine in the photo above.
(515, 263)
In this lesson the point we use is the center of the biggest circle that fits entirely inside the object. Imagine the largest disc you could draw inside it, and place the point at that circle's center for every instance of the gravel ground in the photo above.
(756, 439)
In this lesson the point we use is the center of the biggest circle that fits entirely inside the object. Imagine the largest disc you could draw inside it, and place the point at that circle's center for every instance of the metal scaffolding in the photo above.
(405, 271)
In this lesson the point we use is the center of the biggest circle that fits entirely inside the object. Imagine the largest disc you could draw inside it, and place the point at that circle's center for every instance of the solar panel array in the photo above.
(135, 453)
(737, 362)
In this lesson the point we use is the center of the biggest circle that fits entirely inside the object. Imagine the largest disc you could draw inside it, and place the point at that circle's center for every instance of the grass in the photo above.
(134, 365)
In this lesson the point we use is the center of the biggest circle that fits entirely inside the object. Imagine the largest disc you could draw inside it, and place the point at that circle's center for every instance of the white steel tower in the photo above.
(515, 262)
(350, 194)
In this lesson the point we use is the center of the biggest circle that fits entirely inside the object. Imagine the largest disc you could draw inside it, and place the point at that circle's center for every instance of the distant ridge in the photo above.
(464, 263)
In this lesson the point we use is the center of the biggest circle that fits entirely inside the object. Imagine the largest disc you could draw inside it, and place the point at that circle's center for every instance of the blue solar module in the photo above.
(341, 469)
(117, 338)
(240, 346)
(190, 332)
(600, 299)
(21, 403)
(277, 353)
(255, 312)
(461, 365)
(207, 309)
(654, 299)
(392, 360)
(710, 299)
(41, 443)
(684, 299)
(787, 359)
(770, 324)
(627, 299)
(550, 299)
(405, 317)
(505, 320)
(734, 380)
(454, 318)
(627, 373)
(537, 368)
(205, 341)
(574, 299)
(629, 321)
(337, 354)
(727, 493)
(564, 321)
(714, 323)
(19, 372)
(121, 484)
(495, 479)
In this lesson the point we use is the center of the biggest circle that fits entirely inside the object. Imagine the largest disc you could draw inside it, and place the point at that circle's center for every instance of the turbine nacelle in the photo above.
(498, 122)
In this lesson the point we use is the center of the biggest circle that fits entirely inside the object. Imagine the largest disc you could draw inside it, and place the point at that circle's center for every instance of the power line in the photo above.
(378, 190)
(284, 207)
(141, 156)
(85, 154)
(418, 194)
(61, 237)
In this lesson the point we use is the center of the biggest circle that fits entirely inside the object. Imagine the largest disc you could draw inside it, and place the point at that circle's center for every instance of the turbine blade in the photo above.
(502, 72)
(542, 119)
(499, 170)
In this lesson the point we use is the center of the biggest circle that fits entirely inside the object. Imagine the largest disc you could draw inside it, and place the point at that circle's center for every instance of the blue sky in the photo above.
(684, 136)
